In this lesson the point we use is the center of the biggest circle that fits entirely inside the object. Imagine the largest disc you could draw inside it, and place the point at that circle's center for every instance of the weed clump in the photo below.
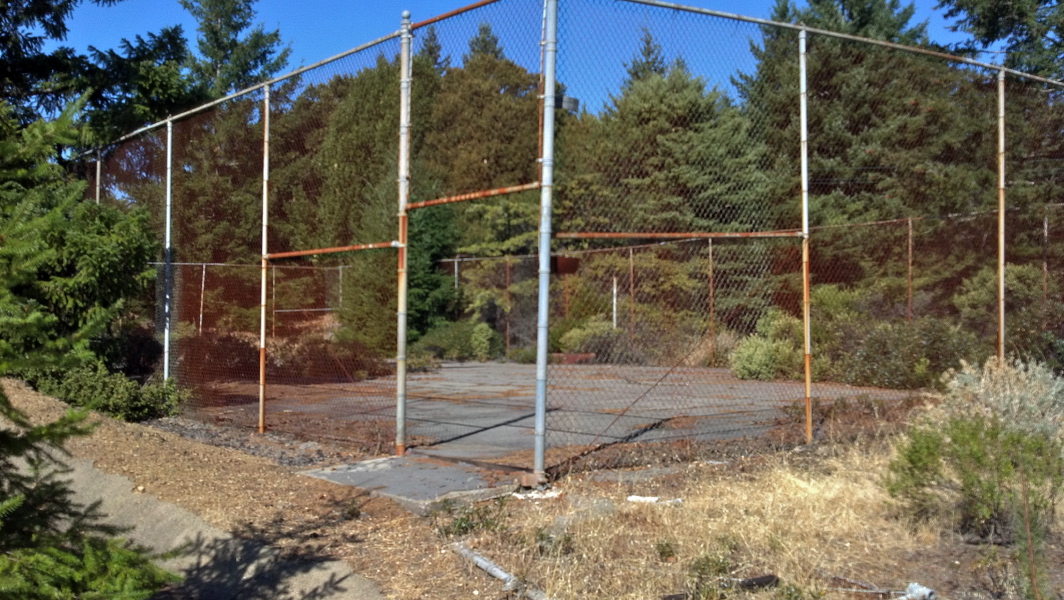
(451, 520)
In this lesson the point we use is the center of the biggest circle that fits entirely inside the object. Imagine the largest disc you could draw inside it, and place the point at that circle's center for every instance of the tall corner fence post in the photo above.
(804, 110)
(168, 248)
(265, 253)
(1001, 215)
(405, 73)
(550, 50)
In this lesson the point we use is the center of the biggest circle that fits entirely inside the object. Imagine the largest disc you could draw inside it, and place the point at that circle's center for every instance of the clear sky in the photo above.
(318, 29)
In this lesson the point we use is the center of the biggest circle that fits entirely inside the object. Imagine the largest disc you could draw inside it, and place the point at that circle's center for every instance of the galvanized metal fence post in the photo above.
(631, 295)
(168, 255)
(1045, 266)
(98, 173)
(404, 196)
(509, 306)
(804, 109)
(550, 46)
(202, 291)
(909, 298)
(712, 311)
(1001, 216)
(615, 302)
(265, 252)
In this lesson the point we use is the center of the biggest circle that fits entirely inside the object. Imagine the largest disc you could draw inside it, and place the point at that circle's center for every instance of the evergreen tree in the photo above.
(483, 136)
(143, 83)
(126, 89)
(232, 57)
(1032, 31)
(65, 270)
(485, 43)
(892, 135)
(684, 157)
(432, 51)
(650, 61)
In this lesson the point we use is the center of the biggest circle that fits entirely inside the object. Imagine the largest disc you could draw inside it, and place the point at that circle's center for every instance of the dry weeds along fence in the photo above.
(824, 526)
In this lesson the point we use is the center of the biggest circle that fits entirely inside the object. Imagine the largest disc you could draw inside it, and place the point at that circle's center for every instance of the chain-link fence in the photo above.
(710, 181)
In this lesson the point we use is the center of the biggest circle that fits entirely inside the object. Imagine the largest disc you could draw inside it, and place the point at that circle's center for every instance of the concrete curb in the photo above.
(214, 564)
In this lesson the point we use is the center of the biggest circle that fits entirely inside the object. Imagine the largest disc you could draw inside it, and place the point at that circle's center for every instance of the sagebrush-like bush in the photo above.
(991, 455)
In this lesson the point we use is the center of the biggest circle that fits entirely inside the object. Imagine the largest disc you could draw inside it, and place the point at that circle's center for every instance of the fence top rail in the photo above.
(258, 86)
(453, 13)
(845, 36)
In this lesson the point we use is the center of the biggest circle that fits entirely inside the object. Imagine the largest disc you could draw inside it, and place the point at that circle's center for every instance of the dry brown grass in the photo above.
(804, 521)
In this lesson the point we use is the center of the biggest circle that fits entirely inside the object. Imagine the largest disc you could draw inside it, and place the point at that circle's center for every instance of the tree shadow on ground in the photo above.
(248, 563)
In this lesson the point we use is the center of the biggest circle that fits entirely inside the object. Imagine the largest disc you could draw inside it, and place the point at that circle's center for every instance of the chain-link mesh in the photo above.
(676, 296)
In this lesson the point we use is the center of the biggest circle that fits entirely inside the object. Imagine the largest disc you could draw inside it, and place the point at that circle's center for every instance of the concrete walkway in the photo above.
(215, 565)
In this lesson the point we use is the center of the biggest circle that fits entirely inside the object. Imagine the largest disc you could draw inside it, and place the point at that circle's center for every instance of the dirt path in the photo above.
(261, 499)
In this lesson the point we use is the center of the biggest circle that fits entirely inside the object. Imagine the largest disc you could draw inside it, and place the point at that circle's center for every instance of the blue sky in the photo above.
(317, 29)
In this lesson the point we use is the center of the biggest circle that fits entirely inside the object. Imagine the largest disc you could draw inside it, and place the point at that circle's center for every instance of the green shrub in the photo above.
(485, 342)
(524, 356)
(421, 362)
(95, 388)
(991, 454)
(608, 344)
(864, 340)
(1029, 308)
(450, 341)
(558, 329)
(757, 357)
(775, 352)
(902, 354)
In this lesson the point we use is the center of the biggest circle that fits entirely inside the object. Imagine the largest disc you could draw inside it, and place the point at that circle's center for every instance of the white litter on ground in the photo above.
(654, 500)
(538, 494)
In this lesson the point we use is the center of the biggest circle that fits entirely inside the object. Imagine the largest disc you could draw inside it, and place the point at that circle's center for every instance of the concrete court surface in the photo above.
(486, 411)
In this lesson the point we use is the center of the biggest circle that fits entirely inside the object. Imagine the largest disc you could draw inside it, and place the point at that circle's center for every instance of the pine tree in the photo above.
(650, 61)
(485, 43)
(483, 136)
(432, 51)
(141, 83)
(891, 135)
(684, 157)
(1032, 31)
(232, 57)
(64, 274)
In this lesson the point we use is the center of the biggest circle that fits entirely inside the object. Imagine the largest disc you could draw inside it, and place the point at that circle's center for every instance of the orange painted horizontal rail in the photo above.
(513, 189)
(356, 247)
(585, 235)
(453, 13)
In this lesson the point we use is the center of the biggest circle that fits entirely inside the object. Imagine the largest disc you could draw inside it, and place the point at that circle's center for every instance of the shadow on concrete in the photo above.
(230, 568)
